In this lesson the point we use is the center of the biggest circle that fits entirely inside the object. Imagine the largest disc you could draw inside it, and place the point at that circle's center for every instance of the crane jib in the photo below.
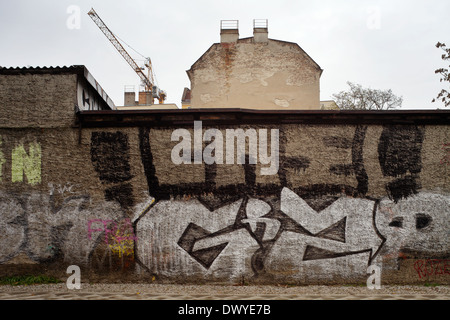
(147, 80)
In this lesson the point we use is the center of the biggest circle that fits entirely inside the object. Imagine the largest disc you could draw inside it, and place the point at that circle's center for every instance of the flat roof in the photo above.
(219, 116)
(165, 106)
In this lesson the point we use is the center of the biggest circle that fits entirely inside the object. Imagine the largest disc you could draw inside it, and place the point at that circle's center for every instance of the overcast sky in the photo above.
(378, 44)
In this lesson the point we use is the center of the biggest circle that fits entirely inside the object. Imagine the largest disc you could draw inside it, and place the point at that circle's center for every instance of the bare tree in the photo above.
(359, 98)
(444, 95)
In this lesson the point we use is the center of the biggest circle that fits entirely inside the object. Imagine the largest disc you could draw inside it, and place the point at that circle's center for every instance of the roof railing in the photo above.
(260, 23)
(229, 24)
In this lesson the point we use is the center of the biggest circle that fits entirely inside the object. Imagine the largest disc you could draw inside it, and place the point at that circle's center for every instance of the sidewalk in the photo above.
(219, 292)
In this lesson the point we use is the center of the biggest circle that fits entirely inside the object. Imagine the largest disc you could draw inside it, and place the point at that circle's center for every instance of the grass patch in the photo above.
(27, 280)
(431, 284)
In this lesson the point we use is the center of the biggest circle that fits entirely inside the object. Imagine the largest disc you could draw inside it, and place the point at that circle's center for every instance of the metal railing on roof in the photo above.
(129, 88)
(260, 23)
(229, 24)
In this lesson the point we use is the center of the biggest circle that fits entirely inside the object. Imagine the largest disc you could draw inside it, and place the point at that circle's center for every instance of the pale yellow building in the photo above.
(186, 99)
(329, 105)
(255, 72)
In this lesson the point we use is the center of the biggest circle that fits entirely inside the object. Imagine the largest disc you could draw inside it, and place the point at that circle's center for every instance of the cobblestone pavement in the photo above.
(219, 292)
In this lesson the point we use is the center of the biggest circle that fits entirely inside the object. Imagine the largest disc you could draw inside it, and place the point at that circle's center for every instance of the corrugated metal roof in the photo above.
(75, 69)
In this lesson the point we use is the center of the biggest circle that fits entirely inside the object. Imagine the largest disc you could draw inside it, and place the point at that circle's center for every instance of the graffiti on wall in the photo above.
(43, 230)
(284, 235)
(430, 267)
(254, 237)
(62, 189)
(329, 234)
(119, 236)
(304, 226)
(399, 157)
(316, 217)
(25, 163)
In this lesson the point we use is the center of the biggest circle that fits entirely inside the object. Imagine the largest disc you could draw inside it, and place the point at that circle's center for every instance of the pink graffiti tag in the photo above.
(120, 232)
(104, 228)
(432, 267)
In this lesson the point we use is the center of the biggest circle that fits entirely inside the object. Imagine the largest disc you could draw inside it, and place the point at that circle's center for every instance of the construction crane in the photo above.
(147, 80)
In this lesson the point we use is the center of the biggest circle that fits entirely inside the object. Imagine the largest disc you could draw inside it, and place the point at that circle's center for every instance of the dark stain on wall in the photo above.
(400, 157)
(399, 150)
(110, 158)
(402, 188)
(121, 193)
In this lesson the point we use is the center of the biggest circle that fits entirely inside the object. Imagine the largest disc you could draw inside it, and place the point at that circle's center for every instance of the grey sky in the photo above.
(378, 44)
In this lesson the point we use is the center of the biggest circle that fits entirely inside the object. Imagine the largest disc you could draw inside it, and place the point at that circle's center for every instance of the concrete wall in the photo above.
(107, 196)
(265, 75)
(344, 197)
(48, 97)
(28, 100)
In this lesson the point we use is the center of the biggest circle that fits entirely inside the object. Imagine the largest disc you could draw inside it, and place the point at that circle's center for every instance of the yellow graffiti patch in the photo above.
(28, 164)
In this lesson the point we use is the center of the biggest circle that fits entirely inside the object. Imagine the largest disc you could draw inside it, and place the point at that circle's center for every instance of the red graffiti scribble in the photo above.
(432, 267)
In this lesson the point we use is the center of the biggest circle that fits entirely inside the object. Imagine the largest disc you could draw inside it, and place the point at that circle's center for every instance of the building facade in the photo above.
(255, 73)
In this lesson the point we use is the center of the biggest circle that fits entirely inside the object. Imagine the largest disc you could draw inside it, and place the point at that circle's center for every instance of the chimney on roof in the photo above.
(229, 31)
(260, 30)
(129, 96)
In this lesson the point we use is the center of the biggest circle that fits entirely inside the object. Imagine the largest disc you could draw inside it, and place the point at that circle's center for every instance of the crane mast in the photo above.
(147, 80)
